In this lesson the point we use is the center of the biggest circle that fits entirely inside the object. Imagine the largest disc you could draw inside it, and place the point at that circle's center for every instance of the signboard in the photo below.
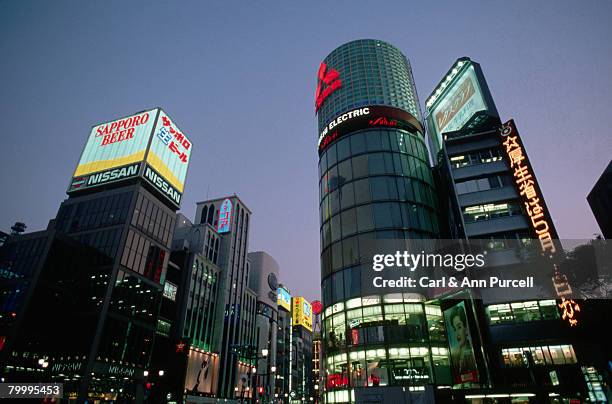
(364, 118)
(540, 221)
(169, 152)
(302, 313)
(201, 377)
(147, 144)
(527, 187)
(117, 143)
(463, 361)
(461, 102)
(225, 217)
(284, 299)
(328, 81)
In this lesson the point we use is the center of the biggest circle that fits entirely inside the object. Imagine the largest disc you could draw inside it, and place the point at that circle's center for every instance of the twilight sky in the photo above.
(239, 79)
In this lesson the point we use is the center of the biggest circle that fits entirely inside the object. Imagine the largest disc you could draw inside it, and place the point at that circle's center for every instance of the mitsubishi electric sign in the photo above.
(148, 145)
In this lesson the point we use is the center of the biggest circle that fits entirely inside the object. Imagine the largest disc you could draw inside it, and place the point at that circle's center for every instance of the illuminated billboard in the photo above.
(225, 217)
(374, 116)
(463, 360)
(147, 144)
(302, 313)
(117, 143)
(169, 152)
(461, 101)
(201, 377)
(284, 299)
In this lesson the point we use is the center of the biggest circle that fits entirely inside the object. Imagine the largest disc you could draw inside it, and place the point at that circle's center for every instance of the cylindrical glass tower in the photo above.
(375, 183)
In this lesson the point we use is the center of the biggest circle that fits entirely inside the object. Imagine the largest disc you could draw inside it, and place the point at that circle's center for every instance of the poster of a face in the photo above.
(463, 361)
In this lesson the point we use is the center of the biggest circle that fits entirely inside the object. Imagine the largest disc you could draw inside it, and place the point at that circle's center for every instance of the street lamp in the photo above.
(264, 352)
(161, 373)
(273, 369)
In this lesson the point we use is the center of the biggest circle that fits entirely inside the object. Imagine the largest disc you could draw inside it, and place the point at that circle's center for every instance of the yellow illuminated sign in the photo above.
(302, 313)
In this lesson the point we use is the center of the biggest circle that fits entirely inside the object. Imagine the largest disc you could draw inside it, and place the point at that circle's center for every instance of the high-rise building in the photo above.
(600, 201)
(92, 316)
(186, 323)
(236, 308)
(489, 195)
(477, 182)
(375, 183)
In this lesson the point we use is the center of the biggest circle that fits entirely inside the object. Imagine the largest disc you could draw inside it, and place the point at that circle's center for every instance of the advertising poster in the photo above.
(116, 143)
(201, 378)
(463, 361)
(284, 298)
(170, 152)
(461, 103)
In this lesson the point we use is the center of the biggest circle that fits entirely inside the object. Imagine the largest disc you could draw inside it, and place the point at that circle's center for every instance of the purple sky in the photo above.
(239, 79)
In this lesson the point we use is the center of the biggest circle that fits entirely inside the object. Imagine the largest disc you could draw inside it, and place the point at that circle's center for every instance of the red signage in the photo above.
(317, 307)
(120, 130)
(367, 117)
(331, 79)
(336, 380)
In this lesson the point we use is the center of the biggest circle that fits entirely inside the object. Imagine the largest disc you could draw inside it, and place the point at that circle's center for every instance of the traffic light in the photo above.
(147, 390)
(260, 390)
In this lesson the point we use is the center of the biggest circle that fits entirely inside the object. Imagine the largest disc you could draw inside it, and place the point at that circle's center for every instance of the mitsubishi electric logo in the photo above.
(331, 78)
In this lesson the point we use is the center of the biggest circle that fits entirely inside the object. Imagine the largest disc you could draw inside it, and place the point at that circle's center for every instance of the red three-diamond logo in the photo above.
(331, 78)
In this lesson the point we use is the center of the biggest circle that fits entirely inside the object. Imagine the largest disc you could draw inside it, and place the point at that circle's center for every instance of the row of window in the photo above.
(106, 241)
(545, 355)
(490, 211)
(388, 323)
(94, 213)
(154, 219)
(483, 184)
(368, 165)
(201, 304)
(476, 157)
(144, 257)
(521, 312)
(351, 249)
(368, 141)
(399, 365)
(367, 190)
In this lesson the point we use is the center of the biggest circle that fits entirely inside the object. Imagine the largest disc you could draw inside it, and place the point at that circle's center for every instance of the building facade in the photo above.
(375, 183)
(237, 304)
(263, 280)
(91, 314)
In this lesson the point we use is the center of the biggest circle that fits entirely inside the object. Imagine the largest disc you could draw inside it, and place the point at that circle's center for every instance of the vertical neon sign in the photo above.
(225, 217)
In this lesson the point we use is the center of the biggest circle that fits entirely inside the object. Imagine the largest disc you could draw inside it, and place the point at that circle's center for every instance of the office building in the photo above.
(186, 324)
(237, 303)
(90, 315)
(375, 183)
(522, 348)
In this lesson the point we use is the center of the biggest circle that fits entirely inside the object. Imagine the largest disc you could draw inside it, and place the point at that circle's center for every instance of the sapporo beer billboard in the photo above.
(147, 144)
